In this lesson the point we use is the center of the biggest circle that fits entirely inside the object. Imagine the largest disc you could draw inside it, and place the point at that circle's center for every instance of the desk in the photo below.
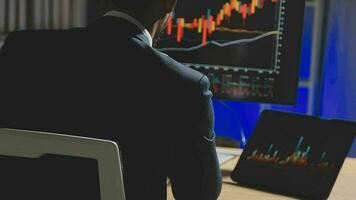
(344, 188)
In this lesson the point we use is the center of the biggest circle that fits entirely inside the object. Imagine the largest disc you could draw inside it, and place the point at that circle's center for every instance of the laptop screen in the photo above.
(295, 155)
(49, 177)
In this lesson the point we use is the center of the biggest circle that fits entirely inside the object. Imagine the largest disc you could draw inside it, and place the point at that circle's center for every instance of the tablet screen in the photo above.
(295, 155)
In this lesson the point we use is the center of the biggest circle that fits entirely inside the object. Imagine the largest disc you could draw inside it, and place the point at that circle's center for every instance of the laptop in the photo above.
(36, 165)
(295, 155)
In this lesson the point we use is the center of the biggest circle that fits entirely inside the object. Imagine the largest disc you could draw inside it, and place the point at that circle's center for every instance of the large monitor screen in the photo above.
(249, 49)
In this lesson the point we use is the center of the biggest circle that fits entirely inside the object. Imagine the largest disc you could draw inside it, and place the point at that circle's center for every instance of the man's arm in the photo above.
(194, 168)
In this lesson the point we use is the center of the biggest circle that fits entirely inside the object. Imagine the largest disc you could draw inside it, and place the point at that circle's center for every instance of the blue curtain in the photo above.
(339, 68)
(339, 84)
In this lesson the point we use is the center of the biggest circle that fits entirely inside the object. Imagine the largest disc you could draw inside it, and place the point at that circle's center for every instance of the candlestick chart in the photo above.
(225, 33)
(207, 25)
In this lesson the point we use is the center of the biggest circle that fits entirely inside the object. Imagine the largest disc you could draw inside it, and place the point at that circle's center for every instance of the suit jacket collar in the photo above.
(134, 21)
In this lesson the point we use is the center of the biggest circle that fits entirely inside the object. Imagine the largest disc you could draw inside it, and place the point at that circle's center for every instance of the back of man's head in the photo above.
(153, 14)
(132, 5)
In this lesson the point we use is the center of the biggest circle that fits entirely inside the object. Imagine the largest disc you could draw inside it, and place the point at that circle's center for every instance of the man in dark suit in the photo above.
(107, 81)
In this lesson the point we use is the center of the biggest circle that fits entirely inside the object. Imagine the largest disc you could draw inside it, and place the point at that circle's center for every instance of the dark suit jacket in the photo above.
(105, 81)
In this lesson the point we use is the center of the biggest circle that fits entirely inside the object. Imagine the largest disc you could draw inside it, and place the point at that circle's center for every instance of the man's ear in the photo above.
(169, 5)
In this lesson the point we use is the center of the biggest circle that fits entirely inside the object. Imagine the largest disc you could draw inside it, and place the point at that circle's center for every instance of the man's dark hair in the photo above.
(96, 8)
(135, 5)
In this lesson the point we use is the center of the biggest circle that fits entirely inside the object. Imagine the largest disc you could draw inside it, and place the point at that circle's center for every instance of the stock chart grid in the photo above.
(236, 43)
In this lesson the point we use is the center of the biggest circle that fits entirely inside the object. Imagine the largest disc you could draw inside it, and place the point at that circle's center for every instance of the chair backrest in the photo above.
(45, 165)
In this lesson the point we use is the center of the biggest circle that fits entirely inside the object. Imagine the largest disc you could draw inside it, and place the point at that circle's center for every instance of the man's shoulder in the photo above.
(179, 70)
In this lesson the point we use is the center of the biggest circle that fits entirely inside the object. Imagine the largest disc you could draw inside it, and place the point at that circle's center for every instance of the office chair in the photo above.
(37, 165)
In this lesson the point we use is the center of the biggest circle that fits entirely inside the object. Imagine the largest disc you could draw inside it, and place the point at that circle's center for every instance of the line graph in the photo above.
(224, 29)
(242, 41)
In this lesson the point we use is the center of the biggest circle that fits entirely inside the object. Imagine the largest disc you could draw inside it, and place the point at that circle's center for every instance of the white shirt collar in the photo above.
(131, 19)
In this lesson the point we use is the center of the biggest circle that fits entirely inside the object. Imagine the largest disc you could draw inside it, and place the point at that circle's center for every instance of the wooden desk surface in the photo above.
(344, 188)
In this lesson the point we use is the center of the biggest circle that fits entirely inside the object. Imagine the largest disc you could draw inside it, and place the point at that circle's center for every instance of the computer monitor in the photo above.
(250, 49)
(41, 166)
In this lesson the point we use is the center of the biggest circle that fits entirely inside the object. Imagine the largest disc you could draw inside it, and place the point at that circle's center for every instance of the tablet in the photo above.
(295, 155)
